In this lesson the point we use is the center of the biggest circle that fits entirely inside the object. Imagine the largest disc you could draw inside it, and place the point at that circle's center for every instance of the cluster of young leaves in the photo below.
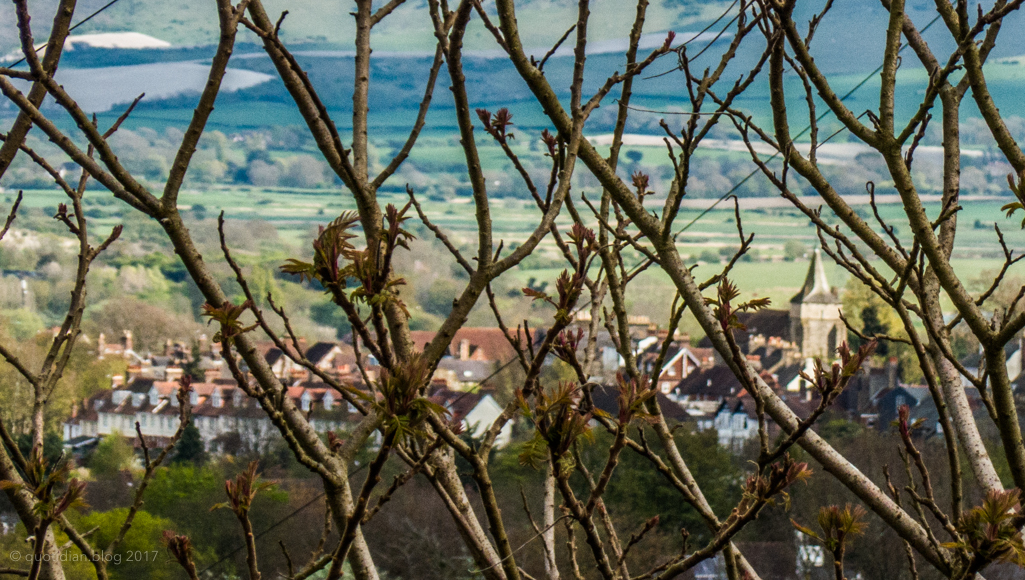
(372, 267)
(55, 491)
(551, 143)
(336, 259)
(838, 526)
(633, 397)
(991, 532)
(66, 218)
(229, 317)
(569, 286)
(724, 310)
(904, 423)
(566, 344)
(242, 491)
(403, 408)
(832, 382)
(333, 243)
(1018, 189)
(497, 126)
(763, 488)
(180, 548)
(558, 423)
(640, 183)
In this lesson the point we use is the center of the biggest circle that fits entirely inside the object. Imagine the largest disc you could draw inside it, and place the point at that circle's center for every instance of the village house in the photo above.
(474, 411)
(474, 355)
(228, 419)
(218, 409)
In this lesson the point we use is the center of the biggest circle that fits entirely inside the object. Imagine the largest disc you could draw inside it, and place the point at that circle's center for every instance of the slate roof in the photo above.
(768, 323)
(769, 357)
(271, 353)
(318, 351)
(140, 385)
(787, 373)
(459, 403)
(606, 398)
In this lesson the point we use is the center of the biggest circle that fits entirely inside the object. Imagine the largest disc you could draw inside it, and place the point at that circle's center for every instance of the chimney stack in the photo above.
(127, 342)
(891, 372)
(464, 349)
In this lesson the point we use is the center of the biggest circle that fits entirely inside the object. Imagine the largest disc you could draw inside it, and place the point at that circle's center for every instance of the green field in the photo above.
(295, 214)
(294, 211)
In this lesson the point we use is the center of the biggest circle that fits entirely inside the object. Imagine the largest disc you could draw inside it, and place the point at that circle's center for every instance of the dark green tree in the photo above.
(190, 448)
(872, 325)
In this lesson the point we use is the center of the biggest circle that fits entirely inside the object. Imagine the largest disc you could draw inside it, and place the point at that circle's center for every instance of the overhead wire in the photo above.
(699, 34)
(822, 116)
(72, 29)
(261, 534)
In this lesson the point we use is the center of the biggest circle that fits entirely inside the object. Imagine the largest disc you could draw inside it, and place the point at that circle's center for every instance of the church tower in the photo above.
(815, 324)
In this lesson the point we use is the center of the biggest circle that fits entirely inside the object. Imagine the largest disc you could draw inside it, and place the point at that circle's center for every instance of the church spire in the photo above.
(816, 287)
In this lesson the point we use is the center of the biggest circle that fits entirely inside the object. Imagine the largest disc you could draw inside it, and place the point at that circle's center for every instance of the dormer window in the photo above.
(98, 404)
(305, 401)
(237, 398)
(137, 399)
(329, 401)
(119, 396)
(154, 397)
(216, 400)
(193, 398)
